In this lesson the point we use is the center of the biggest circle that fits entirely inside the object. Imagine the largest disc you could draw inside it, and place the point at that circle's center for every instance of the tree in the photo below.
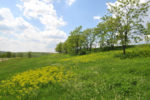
(59, 47)
(147, 29)
(101, 33)
(14, 55)
(20, 55)
(111, 26)
(147, 33)
(65, 47)
(130, 14)
(89, 37)
(29, 54)
(8, 54)
(74, 41)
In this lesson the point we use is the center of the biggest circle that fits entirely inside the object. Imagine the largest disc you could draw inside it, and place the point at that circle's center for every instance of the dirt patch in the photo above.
(4, 59)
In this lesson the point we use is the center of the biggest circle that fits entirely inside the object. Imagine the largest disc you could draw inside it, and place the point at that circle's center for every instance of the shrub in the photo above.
(29, 55)
(8, 54)
(82, 52)
(20, 55)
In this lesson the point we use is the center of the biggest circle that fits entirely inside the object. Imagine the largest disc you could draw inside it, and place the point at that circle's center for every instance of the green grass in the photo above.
(98, 76)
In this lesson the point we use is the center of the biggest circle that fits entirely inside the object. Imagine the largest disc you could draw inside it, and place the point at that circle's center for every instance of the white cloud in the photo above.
(70, 2)
(97, 18)
(44, 11)
(19, 35)
(14, 45)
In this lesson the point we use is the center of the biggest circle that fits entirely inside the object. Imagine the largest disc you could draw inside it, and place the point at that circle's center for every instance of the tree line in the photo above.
(14, 55)
(122, 25)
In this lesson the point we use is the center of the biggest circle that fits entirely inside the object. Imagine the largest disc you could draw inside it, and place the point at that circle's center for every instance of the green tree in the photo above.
(29, 54)
(147, 29)
(14, 55)
(65, 47)
(147, 33)
(20, 55)
(101, 33)
(8, 54)
(111, 26)
(89, 37)
(130, 14)
(74, 41)
(59, 47)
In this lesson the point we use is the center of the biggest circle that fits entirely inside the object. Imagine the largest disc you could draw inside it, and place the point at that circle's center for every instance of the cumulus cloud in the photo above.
(19, 35)
(44, 11)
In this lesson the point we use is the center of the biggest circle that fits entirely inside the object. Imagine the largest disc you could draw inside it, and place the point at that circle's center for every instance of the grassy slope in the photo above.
(99, 76)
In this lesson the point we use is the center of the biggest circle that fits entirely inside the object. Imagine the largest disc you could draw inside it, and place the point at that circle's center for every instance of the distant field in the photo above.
(22, 54)
(97, 76)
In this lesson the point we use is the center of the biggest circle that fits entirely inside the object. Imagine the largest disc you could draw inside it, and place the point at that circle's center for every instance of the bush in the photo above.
(20, 55)
(3, 55)
(14, 55)
(82, 52)
(8, 54)
(29, 55)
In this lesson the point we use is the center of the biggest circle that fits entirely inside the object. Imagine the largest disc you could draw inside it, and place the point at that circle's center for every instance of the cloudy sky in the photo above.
(38, 25)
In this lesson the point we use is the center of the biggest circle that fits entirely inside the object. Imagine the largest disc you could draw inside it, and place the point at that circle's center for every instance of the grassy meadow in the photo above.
(106, 75)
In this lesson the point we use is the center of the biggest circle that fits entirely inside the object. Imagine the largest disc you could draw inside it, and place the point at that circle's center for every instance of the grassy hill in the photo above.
(97, 76)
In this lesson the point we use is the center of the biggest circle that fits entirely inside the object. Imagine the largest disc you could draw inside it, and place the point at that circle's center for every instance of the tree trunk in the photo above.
(90, 47)
(77, 48)
(125, 43)
(124, 49)
(112, 46)
(87, 47)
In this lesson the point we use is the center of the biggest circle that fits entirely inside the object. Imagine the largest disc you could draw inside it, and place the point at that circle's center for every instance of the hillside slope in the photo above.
(97, 76)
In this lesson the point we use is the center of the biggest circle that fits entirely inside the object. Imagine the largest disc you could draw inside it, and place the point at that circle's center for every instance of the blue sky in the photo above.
(38, 25)
(82, 12)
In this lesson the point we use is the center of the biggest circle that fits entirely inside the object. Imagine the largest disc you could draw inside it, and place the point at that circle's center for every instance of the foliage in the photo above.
(89, 38)
(75, 41)
(29, 54)
(20, 55)
(8, 54)
(147, 33)
(59, 48)
(147, 29)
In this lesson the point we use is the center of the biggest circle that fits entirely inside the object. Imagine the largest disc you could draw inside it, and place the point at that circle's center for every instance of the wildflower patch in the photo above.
(27, 83)
(86, 58)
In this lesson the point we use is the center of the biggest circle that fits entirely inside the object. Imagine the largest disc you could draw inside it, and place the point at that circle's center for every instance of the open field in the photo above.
(97, 76)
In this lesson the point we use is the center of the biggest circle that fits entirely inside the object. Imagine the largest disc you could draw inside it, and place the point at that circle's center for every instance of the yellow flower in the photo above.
(26, 82)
